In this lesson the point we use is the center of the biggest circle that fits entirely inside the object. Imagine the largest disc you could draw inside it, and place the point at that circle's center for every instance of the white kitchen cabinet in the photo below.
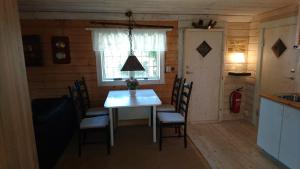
(279, 132)
(289, 153)
(271, 114)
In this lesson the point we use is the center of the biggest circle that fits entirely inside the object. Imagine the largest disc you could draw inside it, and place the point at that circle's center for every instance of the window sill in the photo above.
(123, 83)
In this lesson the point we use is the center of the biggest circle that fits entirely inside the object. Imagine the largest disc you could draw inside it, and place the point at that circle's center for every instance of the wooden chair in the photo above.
(174, 98)
(88, 110)
(88, 124)
(176, 119)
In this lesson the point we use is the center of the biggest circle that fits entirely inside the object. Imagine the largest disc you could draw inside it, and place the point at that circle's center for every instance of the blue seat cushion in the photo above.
(94, 122)
(170, 117)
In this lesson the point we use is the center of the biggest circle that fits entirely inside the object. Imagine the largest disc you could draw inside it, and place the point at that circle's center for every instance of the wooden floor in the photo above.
(230, 145)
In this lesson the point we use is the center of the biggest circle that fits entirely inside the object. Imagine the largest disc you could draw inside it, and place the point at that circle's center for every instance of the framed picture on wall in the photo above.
(32, 50)
(61, 50)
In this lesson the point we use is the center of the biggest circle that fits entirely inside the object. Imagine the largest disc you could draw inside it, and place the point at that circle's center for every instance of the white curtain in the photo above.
(117, 39)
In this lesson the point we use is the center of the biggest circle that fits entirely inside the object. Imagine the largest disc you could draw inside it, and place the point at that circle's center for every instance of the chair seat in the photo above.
(96, 111)
(94, 122)
(170, 117)
(165, 108)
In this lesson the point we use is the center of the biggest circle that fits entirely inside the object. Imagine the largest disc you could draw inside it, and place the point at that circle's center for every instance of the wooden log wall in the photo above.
(51, 80)
(241, 37)
(251, 67)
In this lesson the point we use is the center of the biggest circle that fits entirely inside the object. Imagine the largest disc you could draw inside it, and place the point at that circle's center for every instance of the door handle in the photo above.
(188, 72)
(291, 78)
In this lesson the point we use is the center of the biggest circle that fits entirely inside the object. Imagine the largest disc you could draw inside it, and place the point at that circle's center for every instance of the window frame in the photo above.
(122, 82)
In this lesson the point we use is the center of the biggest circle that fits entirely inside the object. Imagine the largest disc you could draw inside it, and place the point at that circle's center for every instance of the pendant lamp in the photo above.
(132, 63)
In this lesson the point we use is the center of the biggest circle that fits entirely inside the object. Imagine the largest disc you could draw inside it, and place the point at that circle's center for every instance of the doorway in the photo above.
(203, 57)
(275, 74)
(278, 72)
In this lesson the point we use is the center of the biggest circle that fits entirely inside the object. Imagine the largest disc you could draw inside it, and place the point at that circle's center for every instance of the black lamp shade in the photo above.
(132, 64)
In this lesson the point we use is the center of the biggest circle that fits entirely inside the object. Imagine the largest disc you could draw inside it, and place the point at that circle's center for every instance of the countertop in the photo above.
(281, 100)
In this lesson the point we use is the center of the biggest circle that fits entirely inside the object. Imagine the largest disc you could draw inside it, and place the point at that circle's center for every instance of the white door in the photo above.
(276, 71)
(205, 72)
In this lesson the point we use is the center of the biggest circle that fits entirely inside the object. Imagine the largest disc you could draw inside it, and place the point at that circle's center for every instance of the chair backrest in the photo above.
(77, 103)
(81, 84)
(185, 96)
(176, 91)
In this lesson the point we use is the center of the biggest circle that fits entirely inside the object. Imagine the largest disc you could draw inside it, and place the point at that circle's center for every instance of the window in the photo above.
(112, 49)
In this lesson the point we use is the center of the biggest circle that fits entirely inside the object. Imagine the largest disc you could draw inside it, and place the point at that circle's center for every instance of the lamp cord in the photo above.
(130, 27)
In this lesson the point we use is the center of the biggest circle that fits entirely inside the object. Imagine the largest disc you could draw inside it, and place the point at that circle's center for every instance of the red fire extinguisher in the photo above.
(235, 100)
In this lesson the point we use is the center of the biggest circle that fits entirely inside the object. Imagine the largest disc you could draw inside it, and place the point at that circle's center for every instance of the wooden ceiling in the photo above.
(177, 7)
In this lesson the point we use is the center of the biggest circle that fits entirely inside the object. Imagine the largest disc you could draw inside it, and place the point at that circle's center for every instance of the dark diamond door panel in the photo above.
(278, 48)
(204, 48)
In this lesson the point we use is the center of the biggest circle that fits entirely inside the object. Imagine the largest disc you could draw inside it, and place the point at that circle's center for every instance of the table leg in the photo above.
(154, 123)
(150, 118)
(111, 122)
(117, 118)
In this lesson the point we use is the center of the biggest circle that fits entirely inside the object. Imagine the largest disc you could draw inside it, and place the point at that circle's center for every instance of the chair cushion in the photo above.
(170, 117)
(165, 108)
(96, 111)
(94, 122)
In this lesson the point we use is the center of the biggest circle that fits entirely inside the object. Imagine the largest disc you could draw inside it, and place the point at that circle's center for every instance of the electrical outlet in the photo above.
(168, 69)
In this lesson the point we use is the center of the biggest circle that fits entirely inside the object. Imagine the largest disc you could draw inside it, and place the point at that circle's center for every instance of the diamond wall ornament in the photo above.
(204, 49)
(278, 48)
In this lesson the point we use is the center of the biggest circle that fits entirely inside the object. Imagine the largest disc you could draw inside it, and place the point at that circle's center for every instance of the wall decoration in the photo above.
(237, 45)
(278, 48)
(61, 50)
(204, 48)
(32, 50)
(210, 25)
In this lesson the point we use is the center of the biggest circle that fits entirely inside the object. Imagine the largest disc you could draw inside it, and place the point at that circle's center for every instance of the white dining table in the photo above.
(127, 98)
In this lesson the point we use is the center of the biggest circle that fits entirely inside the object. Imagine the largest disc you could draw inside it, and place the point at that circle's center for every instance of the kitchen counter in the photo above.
(275, 98)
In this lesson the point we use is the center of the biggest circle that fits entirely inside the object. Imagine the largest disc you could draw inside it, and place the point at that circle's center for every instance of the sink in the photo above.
(292, 97)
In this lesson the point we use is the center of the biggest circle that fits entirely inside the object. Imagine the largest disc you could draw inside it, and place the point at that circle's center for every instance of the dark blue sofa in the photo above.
(54, 125)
